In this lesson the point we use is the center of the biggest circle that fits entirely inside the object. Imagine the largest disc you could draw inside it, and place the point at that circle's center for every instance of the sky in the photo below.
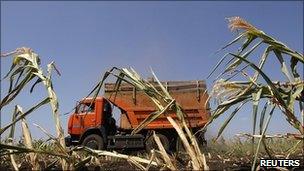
(177, 39)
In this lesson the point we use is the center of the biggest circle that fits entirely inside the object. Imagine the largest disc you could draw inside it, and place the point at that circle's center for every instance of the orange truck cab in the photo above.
(92, 124)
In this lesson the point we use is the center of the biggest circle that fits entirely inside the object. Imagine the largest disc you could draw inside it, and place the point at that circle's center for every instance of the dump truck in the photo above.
(93, 125)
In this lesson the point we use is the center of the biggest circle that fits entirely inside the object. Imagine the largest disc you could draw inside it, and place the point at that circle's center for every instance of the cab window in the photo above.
(86, 108)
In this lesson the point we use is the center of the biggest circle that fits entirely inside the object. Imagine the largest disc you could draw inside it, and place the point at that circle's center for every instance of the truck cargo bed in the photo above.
(191, 95)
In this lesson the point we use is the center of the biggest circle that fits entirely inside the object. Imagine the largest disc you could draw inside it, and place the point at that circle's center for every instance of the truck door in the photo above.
(85, 116)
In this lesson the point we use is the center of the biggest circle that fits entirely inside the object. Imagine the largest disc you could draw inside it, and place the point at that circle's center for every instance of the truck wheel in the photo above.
(202, 143)
(151, 144)
(93, 141)
(200, 137)
(180, 146)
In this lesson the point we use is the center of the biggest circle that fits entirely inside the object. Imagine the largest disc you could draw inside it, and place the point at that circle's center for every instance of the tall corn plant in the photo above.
(24, 69)
(279, 95)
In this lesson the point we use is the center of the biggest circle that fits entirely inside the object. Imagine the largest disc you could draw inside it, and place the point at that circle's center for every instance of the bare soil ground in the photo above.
(123, 165)
(226, 155)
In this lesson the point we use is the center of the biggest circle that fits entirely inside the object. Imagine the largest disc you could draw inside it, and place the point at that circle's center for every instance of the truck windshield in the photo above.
(86, 108)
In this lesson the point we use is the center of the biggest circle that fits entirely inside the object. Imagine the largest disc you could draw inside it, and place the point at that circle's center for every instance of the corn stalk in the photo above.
(11, 139)
(198, 159)
(282, 95)
(26, 65)
(115, 154)
(28, 140)
(165, 155)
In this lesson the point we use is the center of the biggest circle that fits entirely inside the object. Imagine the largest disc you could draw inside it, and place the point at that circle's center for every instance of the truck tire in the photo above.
(180, 146)
(151, 144)
(181, 152)
(93, 141)
(200, 138)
